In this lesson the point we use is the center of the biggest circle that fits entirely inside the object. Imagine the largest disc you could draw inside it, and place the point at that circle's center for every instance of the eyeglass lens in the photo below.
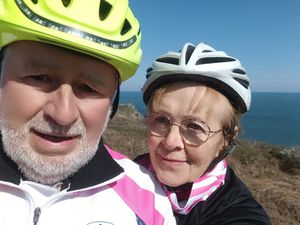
(192, 131)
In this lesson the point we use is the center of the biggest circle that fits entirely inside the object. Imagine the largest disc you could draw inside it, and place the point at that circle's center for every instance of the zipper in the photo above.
(36, 215)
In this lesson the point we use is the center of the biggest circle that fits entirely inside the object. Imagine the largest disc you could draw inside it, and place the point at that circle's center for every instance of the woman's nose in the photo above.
(173, 140)
(62, 105)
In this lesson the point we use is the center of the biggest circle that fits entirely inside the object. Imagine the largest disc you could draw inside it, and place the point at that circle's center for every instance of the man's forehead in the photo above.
(41, 56)
(40, 47)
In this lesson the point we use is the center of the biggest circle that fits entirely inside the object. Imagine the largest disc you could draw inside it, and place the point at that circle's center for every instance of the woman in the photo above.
(195, 98)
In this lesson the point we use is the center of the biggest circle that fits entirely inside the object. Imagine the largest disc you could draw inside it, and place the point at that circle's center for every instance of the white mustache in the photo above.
(52, 128)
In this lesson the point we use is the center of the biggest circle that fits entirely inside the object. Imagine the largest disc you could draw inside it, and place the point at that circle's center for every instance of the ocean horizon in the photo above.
(274, 117)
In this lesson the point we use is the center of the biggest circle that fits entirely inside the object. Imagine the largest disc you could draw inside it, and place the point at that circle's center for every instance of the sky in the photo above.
(263, 34)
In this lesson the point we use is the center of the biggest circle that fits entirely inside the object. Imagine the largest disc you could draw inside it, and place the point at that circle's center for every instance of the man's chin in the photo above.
(41, 168)
(46, 179)
(52, 170)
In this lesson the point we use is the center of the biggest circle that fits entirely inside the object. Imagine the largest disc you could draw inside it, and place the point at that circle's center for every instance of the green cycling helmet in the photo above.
(105, 29)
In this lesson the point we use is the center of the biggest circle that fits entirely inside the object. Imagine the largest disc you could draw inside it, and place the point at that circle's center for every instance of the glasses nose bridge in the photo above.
(176, 123)
(179, 125)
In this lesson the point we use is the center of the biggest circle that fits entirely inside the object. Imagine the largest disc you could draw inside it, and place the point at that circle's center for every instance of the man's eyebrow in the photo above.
(93, 77)
(39, 64)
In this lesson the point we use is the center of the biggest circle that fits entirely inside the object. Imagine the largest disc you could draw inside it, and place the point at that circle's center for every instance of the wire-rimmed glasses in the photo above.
(194, 132)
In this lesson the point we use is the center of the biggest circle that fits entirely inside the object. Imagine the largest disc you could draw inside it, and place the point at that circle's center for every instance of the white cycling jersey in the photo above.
(110, 190)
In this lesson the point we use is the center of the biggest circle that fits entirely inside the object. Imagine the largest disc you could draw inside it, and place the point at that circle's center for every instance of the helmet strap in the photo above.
(229, 149)
(1, 57)
(116, 102)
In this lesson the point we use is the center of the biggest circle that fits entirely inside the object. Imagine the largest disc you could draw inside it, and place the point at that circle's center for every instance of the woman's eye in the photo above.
(195, 126)
(162, 120)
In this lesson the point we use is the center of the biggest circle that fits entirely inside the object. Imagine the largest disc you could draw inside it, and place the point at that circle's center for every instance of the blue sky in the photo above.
(263, 34)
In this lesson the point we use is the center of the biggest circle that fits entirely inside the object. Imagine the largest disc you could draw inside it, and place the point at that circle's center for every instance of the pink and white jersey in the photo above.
(185, 197)
(109, 190)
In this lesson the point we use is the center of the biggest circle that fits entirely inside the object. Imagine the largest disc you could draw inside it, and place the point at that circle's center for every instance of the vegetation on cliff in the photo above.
(271, 172)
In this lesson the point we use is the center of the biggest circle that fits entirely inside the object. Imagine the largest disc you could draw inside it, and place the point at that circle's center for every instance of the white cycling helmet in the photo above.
(204, 64)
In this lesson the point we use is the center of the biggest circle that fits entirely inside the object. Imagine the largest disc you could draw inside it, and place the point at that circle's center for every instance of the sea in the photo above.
(273, 118)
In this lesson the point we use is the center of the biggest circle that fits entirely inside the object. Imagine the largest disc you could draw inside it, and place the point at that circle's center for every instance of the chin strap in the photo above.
(229, 149)
(1, 58)
(115, 103)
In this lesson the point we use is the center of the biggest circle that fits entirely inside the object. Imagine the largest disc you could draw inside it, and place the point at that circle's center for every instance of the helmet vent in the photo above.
(126, 27)
(104, 9)
(239, 71)
(148, 71)
(244, 83)
(189, 51)
(34, 1)
(169, 60)
(66, 3)
(206, 51)
(209, 60)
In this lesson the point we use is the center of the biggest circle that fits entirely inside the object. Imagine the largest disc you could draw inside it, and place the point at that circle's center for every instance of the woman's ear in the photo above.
(230, 141)
(232, 135)
(235, 133)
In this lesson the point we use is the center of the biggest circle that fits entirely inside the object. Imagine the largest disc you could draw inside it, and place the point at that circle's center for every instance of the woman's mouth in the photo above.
(170, 161)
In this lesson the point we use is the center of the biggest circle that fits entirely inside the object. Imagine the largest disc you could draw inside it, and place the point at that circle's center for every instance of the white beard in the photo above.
(45, 169)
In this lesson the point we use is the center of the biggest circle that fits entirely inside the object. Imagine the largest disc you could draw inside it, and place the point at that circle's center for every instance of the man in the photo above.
(61, 66)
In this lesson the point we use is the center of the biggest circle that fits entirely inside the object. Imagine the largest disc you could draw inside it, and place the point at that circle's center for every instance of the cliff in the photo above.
(271, 172)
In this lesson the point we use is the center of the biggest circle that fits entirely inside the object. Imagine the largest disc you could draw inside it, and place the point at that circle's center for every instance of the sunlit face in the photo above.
(174, 161)
(54, 106)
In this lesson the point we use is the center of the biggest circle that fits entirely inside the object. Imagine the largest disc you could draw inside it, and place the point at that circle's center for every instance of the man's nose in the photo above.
(173, 140)
(62, 105)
